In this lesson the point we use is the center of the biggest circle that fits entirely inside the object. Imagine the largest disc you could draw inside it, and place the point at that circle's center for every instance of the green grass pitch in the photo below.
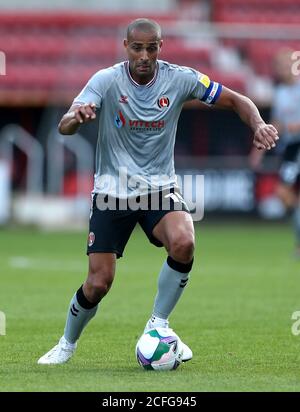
(235, 313)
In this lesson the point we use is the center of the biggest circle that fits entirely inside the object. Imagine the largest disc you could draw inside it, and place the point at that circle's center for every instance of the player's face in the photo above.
(142, 49)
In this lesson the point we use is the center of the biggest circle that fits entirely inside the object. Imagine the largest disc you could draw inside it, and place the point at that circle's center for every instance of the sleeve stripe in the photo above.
(77, 103)
(80, 103)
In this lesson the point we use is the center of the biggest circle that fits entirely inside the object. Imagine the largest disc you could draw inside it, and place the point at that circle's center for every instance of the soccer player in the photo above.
(140, 101)
(286, 116)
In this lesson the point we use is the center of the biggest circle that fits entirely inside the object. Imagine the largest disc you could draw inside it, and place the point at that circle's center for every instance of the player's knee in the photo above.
(97, 289)
(182, 247)
(98, 284)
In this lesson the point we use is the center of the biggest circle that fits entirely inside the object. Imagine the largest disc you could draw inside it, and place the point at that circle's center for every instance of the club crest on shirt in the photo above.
(91, 239)
(163, 102)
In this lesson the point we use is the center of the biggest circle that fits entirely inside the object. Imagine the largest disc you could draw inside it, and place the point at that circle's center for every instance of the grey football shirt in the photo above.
(138, 123)
(286, 110)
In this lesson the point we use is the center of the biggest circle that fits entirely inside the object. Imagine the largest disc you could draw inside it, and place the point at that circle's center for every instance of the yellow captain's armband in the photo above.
(204, 80)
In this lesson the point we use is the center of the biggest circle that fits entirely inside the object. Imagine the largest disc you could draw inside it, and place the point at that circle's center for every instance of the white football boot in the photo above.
(61, 353)
(187, 352)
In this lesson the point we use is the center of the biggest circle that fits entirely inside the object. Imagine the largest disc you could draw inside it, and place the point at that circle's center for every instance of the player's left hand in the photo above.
(265, 137)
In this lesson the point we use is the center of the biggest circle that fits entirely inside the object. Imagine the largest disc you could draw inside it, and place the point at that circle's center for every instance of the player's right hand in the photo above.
(84, 113)
(265, 137)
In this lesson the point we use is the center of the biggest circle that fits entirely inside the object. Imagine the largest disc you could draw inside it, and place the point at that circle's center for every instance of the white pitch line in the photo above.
(23, 262)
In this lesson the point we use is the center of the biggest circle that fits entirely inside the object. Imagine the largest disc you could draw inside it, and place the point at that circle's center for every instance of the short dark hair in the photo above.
(145, 25)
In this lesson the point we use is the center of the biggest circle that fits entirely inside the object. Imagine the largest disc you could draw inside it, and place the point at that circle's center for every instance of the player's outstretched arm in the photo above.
(265, 135)
(77, 115)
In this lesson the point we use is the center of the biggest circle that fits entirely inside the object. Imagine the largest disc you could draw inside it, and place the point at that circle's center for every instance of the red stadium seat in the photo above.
(256, 11)
(178, 52)
(51, 54)
(261, 53)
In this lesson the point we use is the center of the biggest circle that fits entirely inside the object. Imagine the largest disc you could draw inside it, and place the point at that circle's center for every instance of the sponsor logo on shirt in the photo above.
(163, 102)
(120, 120)
(138, 125)
(146, 125)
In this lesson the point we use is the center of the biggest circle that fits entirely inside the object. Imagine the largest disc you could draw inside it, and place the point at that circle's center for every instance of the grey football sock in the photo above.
(77, 319)
(171, 283)
(296, 222)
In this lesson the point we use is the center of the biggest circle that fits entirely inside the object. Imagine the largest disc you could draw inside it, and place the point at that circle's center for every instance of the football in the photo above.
(159, 349)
